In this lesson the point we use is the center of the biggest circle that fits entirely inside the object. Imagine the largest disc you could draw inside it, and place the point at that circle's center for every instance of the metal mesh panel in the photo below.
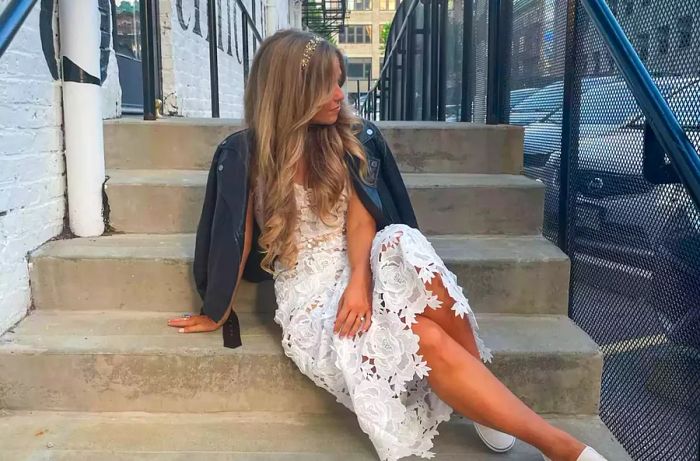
(634, 245)
(537, 86)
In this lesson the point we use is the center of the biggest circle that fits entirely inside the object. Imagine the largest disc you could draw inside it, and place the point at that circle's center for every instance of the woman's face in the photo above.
(328, 114)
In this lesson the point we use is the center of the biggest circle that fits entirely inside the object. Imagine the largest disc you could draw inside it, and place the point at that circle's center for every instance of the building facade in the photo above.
(362, 42)
(664, 35)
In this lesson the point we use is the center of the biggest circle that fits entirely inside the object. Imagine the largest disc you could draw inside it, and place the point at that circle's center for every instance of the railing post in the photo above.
(442, 61)
(425, 109)
(570, 124)
(403, 55)
(149, 59)
(246, 54)
(13, 16)
(393, 87)
(213, 58)
(410, 67)
(467, 99)
(434, 57)
(500, 42)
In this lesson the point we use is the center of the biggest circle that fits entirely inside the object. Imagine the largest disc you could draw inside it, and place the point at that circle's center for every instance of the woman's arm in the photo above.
(357, 301)
(247, 245)
(201, 323)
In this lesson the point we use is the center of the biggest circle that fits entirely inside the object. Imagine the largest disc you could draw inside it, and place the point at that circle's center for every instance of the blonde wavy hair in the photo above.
(280, 101)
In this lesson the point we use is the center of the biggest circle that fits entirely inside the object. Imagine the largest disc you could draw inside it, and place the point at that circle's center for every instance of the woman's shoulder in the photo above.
(239, 139)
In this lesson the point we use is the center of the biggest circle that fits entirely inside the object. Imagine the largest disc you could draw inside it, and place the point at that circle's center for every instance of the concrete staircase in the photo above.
(95, 373)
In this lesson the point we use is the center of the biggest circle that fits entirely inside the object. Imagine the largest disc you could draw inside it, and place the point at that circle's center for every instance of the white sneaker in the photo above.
(588, 454)
(497, 441)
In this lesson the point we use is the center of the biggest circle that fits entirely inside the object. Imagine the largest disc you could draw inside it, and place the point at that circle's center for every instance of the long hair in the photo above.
(281, 99)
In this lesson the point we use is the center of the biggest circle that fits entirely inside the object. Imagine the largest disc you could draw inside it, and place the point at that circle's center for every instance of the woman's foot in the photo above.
(588, 454)
(497, 441)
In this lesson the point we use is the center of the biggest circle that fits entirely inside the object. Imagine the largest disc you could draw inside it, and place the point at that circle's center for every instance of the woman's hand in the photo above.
(195, 323)
(354, 304)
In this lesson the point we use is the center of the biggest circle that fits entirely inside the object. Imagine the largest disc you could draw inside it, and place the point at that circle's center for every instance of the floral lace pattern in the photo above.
(379, 375)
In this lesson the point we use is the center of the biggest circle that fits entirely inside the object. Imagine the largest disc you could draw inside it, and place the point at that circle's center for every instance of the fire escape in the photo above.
(324, 17)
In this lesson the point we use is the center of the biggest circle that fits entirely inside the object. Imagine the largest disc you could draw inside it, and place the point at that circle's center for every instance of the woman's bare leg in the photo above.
(461, 380)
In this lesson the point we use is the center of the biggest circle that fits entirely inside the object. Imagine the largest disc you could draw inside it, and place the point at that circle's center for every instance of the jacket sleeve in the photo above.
(203, 238)
(203, 261)
(394, 181)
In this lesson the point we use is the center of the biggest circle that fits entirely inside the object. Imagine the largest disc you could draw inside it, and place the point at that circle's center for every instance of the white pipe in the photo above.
(82, 114)
(271, 18)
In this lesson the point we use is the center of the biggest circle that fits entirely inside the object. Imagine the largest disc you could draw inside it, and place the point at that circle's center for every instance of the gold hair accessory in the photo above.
(309, 51)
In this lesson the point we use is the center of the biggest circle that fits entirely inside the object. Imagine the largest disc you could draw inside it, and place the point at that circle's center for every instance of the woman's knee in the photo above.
(391, 235)
(432, 337)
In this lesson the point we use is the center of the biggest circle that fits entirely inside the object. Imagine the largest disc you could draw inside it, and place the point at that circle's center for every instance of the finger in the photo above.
(199, 327)
(182, 321)
(340, 319)
(356, 326)
(349, 322)
(368, 321)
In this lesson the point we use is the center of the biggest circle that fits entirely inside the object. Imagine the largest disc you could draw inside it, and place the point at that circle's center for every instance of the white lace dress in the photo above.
(379, 375)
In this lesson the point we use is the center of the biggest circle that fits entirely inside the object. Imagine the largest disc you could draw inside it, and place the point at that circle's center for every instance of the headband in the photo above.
(309, 50)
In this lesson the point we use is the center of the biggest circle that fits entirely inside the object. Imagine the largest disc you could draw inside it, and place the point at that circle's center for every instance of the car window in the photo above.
(518, 96)
(605, 105)
(614, 104)
(547, 99)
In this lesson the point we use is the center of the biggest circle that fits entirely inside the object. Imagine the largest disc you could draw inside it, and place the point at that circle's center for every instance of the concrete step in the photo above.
(170, 201)
(250, 436)
(154, 272)
(435, 147)
(133, 361)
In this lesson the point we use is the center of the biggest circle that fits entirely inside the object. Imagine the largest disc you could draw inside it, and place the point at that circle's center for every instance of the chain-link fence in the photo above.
(634, 244)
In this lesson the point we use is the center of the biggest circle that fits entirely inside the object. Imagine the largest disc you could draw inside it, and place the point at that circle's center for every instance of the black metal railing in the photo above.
(608, 94)
(431, 61)
(150, 36)
(249, 26)
(11, 19)
(150, 58)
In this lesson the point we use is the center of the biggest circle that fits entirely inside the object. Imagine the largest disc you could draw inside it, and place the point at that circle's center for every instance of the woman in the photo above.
(368, 310)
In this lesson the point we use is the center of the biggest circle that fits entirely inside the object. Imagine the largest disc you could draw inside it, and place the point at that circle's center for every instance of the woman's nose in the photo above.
(338, 95)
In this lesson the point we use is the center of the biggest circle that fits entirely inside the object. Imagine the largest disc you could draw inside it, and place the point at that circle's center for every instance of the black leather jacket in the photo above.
(220, 233)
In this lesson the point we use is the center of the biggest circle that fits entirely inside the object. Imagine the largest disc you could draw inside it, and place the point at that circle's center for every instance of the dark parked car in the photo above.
(543, 103)
(651, 232)
(604, 108)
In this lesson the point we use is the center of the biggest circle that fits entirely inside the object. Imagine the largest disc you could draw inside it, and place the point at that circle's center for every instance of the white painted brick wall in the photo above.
(32, 163)
(32, 168)
(186, 83)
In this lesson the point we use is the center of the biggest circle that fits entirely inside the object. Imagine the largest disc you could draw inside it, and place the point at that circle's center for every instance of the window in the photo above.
(356, 34)
(389, 5)
(360, 5)
(663, 39)
(359, 68)
(685, 31)
(643, 46)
